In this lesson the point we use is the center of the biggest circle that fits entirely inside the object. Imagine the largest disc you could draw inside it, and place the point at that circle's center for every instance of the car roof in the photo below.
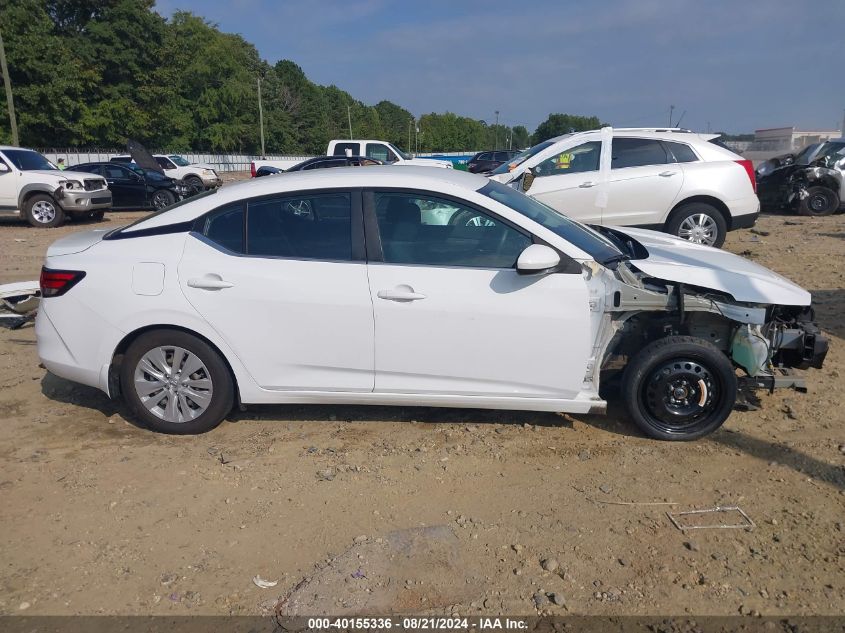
(394, 176)
(666, 134)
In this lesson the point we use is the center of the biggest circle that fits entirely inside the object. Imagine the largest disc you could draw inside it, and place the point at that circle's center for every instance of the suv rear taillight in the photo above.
(252, 169)
(55, 283)
(749, 169)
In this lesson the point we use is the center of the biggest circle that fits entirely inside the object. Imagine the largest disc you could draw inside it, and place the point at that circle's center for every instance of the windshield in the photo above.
(520, 158)
(399, 152)
(181, 162)
(27, 160)
(594, 244)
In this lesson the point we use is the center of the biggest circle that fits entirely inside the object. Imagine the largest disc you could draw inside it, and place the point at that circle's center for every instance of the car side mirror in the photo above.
(537, 259)
(528, 178)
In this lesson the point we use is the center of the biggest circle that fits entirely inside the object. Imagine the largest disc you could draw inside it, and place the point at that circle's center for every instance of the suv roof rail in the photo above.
(652, 129)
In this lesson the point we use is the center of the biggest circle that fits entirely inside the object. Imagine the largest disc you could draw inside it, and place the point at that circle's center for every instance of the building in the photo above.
(788, 139)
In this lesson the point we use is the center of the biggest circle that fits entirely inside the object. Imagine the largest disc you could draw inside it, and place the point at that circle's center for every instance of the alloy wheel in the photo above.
(44, 212)
(160, 201)
(173, 384)
(699, 228)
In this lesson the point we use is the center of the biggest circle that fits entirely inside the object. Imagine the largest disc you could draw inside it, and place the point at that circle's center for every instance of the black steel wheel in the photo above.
(679, 388)
(819, 201)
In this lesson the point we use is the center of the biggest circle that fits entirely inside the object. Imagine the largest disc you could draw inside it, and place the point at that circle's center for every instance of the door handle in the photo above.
(209, 282)
(666, 174)
(588, 184)
(401, 293)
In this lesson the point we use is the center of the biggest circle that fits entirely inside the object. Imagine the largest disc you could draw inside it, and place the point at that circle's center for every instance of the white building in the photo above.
(788, 139)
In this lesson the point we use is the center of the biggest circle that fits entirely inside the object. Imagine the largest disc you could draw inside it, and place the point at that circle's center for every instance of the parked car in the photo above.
(135, 188)
(488, 161)
(326, 287)
(669, 180)
(382, 151)
(320, 162)
(33, 188)
(811, 181)
(197, 175)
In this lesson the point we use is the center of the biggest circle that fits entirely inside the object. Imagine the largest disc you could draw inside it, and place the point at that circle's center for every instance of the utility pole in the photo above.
(410, 124)
(671, 110)
(349, 116)
(708, 127)
(261, 117)
(496, 135)
(9, 100)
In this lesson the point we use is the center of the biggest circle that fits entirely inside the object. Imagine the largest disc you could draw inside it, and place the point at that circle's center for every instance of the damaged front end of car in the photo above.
(765, 340)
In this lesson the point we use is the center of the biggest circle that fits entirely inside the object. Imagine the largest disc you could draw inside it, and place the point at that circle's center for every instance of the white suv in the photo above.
(669, 180)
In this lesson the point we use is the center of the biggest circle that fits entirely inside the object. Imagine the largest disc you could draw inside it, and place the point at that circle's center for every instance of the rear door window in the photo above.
(317, 226)
(225, 227)
(637, 152)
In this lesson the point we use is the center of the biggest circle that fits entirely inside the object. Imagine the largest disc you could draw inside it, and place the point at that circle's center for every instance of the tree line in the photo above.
(93, 73)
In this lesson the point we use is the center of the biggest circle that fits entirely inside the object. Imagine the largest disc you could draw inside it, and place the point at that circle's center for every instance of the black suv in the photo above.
(488, 161)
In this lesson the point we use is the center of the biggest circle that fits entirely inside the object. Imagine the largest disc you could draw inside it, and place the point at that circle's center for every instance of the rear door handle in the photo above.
(401, 293)
(588, 184)
(209, 282)
(666, 174)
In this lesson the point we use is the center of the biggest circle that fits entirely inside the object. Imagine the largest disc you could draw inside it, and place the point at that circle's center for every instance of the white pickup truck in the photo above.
(380, 150)
(33, 188)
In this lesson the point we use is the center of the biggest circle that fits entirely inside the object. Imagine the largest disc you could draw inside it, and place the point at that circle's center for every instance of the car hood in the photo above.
(673, 259)
(58, 176)
(426, 162)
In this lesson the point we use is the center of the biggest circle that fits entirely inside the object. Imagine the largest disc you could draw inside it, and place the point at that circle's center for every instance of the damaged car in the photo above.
(811, 182)
(329, 287)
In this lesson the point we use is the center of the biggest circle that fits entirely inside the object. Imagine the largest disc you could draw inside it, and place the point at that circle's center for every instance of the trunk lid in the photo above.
(75, 242)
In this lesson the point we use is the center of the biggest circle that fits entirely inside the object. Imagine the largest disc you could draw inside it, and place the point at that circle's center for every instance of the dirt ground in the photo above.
(353, 509)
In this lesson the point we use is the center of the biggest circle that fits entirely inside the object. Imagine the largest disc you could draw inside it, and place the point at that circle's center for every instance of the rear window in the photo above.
(683, 153)
(340, 148)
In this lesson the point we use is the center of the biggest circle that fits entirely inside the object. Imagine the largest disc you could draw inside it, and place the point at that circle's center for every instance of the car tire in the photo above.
(819, 201)
(195, 183)
(42, 211)
(469, 218)
(698, 222)
(162, 199)
(164, 400)
(679, 388)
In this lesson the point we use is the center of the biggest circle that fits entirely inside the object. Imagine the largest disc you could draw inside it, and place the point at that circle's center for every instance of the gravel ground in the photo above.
(353, 509)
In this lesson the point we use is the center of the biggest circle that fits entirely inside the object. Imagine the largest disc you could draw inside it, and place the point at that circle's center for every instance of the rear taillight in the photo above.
(55, 283)
(749, 169)
(252, 169)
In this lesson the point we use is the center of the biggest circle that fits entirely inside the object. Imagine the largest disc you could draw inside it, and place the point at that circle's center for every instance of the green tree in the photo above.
(557, 124)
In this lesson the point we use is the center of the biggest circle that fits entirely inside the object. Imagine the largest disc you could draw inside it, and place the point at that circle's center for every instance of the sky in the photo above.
(731, 66)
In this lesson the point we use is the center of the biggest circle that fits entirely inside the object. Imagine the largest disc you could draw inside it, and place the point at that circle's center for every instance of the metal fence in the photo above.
(220, 162)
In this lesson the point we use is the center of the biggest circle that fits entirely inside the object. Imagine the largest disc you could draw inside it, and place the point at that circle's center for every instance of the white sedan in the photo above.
(416, 286)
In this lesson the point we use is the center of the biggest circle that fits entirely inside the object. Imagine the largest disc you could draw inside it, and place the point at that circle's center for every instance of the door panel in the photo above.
(127, 190)
(453, 316)
(479, 332)
(643, 183)
(294, 324)
(568, 182)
